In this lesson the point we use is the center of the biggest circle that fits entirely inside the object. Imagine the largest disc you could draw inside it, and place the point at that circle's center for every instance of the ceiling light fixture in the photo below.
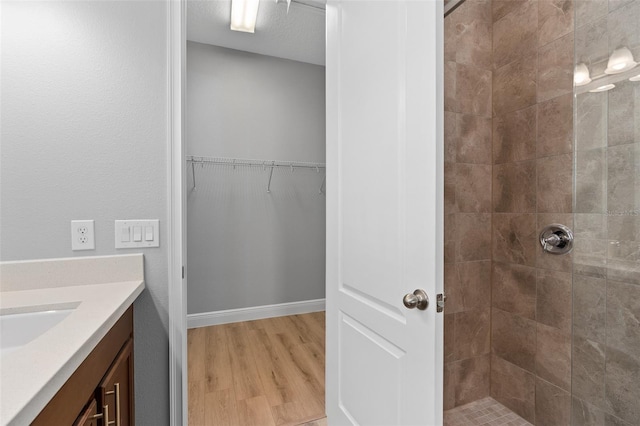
(243, 15)
(635, 78)
(621, 60)
(603, 88)
(581, 75)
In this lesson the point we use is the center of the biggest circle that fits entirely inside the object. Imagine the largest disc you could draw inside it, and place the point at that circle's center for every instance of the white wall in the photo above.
(247, 247)
(84, 136)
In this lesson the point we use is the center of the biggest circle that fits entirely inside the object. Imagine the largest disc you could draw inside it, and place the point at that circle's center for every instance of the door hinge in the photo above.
(183, 272)
(440, 299)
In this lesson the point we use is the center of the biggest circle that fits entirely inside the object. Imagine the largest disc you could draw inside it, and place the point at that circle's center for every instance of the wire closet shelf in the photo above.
(266, 165)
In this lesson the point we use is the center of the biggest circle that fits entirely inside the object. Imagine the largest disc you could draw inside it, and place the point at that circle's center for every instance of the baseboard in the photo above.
(206, 319)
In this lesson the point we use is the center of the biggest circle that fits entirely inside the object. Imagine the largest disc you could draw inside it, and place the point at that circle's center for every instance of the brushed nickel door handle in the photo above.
(417, 299)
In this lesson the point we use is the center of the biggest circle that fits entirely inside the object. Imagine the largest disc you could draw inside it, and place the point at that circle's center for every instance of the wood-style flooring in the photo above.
(264, 373)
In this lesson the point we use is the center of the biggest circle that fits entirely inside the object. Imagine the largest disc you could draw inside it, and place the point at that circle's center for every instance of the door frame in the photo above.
(176, 209)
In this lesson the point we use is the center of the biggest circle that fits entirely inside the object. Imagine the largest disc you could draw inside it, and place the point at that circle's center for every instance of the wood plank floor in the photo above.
(258, 373)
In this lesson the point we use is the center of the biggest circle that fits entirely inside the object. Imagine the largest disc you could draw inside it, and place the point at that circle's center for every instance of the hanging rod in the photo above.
(264, 164)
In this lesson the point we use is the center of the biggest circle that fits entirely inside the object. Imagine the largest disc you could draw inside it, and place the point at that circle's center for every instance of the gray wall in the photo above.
(84, 135)
(247, 247)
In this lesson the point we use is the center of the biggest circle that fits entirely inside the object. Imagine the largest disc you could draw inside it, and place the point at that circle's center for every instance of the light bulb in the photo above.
(603, 88)
(621, 60)
(581, 75)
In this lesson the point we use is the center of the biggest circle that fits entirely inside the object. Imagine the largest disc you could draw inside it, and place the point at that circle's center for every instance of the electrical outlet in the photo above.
(82, 235)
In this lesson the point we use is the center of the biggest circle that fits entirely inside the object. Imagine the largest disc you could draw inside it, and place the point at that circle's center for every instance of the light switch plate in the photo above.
(124, 233)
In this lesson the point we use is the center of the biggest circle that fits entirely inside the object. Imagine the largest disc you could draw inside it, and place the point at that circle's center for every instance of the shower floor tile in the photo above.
(486, 411)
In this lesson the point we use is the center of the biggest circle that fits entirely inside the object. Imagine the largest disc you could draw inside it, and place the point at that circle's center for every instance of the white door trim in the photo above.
(176, 40)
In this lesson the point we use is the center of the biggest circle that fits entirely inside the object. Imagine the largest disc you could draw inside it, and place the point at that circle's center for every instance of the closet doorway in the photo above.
(255, 146)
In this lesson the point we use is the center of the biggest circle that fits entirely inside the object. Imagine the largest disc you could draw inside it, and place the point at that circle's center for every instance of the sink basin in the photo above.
(16, 330)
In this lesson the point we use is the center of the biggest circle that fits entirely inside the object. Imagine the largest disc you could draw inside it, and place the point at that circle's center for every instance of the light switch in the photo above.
(125, 234)
(137, 233)
(148, 233)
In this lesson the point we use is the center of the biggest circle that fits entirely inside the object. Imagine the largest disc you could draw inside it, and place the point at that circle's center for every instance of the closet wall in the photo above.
(247, 247)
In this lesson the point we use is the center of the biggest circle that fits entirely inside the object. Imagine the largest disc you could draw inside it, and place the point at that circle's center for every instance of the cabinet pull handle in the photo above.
(104, 415)
(117, 395)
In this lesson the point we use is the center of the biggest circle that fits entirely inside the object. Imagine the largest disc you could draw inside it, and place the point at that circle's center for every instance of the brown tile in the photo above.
(610, 420)
(474, 281)
(450, 95)
(449, 336)
(452, 289)
(623, 28)
(588, 371)
(472, 334)
(473, 41)
(585, 414)
(590, 181)
(515, 86)
(589, 307)
(553, 356)
(514, 289)
(513, 387)
(474, 143)
(514, 136)
(553, 405)
(450, 178)
(450, 238)
(515, 238)
(545, 260)
(555, 184)
(473, 239)
(589, 10)
(473, 90)
(623, 317)
(591, 116)
(592, 44)
(622, 384)
(449, 385)
(450, 136)
(627, 271)
(473, 188)
(479, 10)
(623, 228)
(473, 379)
(501, 8)
(450, 45)
(513, 338)
(555, 19)
(553, 306)
(555, 68)
(623, 179)
(515, 35)
(624, 101)
(514, 187)
(555, 126)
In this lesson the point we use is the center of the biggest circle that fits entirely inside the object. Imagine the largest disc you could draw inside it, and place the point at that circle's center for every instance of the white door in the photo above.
(384, 211)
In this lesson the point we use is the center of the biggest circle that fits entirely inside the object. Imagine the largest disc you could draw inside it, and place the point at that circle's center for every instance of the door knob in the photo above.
(417, 299)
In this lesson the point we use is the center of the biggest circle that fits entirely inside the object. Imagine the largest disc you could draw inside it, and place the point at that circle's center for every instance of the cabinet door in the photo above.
(116, 389)
(88, 415)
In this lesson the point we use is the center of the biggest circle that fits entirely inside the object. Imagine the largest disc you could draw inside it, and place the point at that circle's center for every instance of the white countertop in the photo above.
(31, 375)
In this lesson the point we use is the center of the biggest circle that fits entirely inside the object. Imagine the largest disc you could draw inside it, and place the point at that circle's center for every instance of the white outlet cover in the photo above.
(82, 235)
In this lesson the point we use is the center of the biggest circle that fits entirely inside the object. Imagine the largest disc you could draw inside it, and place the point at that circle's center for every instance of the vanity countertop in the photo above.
(100, 288)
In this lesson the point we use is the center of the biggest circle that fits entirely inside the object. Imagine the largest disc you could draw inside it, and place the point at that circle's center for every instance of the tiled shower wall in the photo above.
(532, 187)
(468, 80)
(508, 172)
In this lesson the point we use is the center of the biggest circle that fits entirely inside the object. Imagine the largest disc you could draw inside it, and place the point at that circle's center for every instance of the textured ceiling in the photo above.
(298, 35)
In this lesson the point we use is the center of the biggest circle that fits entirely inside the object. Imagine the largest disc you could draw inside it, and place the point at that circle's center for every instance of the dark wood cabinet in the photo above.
(100, 391)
